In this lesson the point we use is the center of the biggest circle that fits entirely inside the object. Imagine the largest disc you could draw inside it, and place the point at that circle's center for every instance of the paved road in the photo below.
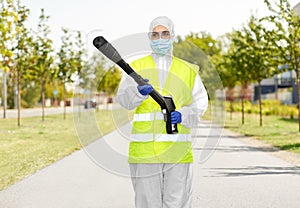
(236, 175)
(30, 112)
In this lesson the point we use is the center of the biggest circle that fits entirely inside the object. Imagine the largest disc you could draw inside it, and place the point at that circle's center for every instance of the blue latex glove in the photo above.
(145, 89)
(175, 117)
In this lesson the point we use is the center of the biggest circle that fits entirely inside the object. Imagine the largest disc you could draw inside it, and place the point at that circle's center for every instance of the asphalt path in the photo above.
(31, 112)
(228, 172)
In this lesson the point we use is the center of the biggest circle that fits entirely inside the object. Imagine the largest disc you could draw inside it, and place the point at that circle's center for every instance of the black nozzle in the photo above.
(99, 41)
(107, 49)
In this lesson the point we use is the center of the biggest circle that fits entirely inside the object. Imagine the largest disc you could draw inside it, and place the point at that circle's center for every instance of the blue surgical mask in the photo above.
(161, 46)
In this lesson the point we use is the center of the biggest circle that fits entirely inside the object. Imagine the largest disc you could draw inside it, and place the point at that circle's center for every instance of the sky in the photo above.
(118, 18)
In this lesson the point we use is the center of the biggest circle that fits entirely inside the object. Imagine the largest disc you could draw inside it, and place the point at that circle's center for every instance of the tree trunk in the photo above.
(64, 96)
(260, 104)
(298, 92)
(276, 88)
(78, 99)
(4, 95)
(231, 109)
(243, 113)
(19, 97)
(43, 100)
(230, 97)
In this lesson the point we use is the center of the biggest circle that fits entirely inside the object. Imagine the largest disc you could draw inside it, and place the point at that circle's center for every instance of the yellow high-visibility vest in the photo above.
(149, 141)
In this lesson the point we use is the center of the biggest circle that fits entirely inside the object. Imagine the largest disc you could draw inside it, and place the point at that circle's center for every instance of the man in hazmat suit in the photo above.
(161, 163)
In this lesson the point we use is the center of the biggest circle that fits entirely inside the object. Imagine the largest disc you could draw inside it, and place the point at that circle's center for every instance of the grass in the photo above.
(277, 131)
(36, 144)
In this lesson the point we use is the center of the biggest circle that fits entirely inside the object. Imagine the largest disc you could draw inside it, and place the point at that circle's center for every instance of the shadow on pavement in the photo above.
(212, 135)
(252, 171)
(228, 149)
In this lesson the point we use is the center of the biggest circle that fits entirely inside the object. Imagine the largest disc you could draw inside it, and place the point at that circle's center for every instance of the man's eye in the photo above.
(154, 34)
(165, 33)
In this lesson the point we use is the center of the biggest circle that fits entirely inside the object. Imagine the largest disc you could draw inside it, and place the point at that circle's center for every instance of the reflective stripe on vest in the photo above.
(154, 127)
(161, 138)
(148, 116)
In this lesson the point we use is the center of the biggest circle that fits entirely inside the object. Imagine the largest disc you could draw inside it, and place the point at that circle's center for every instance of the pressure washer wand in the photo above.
(165, 102)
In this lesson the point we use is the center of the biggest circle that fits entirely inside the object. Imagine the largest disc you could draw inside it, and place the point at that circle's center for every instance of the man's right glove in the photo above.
(145, 89)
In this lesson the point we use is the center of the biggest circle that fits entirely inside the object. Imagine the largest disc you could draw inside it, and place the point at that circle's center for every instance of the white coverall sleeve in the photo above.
(191, 113)
(128, 95)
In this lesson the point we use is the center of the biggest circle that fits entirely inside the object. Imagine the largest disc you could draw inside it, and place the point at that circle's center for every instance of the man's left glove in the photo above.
(175, 117)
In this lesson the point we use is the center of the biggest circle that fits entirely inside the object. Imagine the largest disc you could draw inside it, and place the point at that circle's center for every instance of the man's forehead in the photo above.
(160, 28)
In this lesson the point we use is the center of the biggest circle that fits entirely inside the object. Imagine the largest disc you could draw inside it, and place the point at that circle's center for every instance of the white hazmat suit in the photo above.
(163, 185)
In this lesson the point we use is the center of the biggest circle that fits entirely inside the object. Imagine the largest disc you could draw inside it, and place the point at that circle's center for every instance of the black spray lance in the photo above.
(166, 103)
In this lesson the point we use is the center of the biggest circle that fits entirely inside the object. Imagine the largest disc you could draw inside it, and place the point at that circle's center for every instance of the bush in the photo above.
(269, 107)
(271, 103)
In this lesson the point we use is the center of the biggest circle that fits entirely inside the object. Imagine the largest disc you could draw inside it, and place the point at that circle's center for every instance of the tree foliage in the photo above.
(9, 19)
(201, 49)
(110, 81)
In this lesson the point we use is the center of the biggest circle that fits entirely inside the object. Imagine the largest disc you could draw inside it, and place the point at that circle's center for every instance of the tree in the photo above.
(21, 51)
(42, 70)
(259, 56)
(238, 54)
(226, 70)
(285, 24)
(70, 60)
(8, 17)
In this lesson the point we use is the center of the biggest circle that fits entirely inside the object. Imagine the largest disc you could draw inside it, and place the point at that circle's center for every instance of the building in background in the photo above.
(281, 87)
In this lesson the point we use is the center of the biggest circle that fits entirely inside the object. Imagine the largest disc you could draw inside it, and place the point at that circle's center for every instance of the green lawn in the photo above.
(277, 131)
(36, 144)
